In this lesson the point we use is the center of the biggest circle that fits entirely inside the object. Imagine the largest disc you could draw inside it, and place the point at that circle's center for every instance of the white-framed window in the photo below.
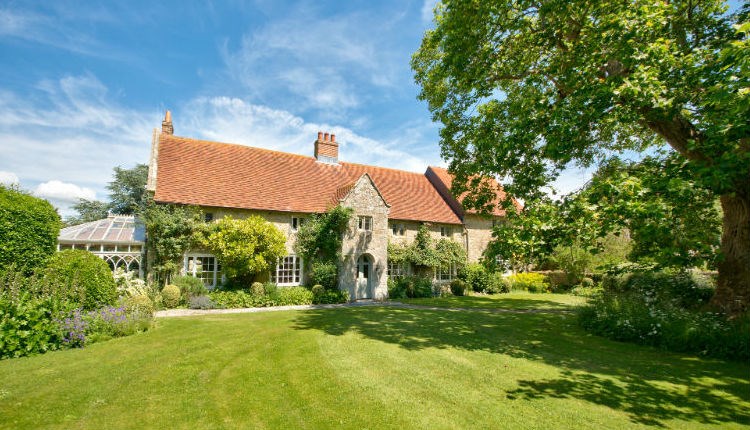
(204, 267)
(397, 229)
(288, 272)
(446, 231)
(297, 222)
(365, 223)
(447, 273)
(398, 270)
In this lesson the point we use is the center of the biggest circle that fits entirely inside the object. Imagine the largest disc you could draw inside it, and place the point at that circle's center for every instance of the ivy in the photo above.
(320, 236)
(427, 253)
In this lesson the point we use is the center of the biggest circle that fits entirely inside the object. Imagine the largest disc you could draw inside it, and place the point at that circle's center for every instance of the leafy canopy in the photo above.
(320, 236)
(523, 89)
(171, 230)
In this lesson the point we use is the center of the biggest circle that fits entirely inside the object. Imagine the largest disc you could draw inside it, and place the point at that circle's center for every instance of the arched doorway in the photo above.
(363, 286)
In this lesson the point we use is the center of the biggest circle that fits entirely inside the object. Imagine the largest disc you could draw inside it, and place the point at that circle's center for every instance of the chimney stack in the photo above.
(326, 148)
(166, 125)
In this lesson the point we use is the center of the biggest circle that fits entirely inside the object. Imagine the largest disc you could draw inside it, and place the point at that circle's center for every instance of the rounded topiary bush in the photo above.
(81, 277)
(139, 304)
(170, 296)
(257, 289)
(587, 282)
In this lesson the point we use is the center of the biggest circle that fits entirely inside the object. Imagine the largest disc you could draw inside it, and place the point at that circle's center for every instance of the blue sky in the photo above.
(82, 84)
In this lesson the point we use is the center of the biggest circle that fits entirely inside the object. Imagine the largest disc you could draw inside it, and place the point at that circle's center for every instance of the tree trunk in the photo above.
(733, 290)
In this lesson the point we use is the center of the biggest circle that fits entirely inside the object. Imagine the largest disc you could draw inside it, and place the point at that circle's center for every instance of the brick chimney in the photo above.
(166, 125)
(326, 148)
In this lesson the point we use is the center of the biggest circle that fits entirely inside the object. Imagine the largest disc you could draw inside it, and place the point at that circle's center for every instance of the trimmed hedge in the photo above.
(80, 277)
(29, 227)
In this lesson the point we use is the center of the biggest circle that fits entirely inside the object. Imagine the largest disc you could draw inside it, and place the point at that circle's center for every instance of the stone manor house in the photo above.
(227, 179)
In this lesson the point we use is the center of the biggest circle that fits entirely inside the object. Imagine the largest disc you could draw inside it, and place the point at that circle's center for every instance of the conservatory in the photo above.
(118, 240)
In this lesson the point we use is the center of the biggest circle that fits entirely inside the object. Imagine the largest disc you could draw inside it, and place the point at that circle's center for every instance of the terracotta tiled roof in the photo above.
(445, 181)
(216, 174)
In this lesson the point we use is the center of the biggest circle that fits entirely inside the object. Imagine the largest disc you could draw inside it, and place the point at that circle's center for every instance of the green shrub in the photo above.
(633, 317)
(396, 290)
(189, 286)
(271, 290)
(32, 325)
(233, 299)
(201, 302)
(585, 291)
(686, 289)
(587, 282)
(256, 289)
(317, 289)
(289, 296)
(138, 304)
(80, 277)
(170, 296)
(324, 273)
(29, 227)
(331, 297)
(476, 276)
(410, 286)
(498, 284)
(458, 287)
(531, 282)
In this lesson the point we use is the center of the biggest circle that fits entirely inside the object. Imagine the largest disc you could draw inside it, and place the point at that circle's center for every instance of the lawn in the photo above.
(372, 367)
(515, 300)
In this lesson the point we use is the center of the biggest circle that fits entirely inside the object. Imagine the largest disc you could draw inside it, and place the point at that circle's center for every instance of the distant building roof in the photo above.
(115, 229)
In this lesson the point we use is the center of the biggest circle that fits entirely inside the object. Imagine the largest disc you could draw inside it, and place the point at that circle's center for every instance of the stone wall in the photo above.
(365, 200)
(478, 235)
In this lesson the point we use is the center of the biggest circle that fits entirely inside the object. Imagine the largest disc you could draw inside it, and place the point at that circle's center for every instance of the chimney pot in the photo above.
(333, 138)
(320, 135)
(325, 137)
(166, 125)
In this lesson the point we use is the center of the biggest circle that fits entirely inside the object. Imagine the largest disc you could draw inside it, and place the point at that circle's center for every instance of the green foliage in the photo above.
(575, 262)
(320, 237)
(190, 286)
(171, 296)
(140, 304)
(331, 297)
(498, 284)
(409, 287)
(80, 277)
(109, 322)
(527, 237)
(324, 273)
(317, 289)
(245, 246)
(680, 289)
(30, 325)
(29, 227)
(587, 282)
(476, 276)
(632, 317)
(201, 302)
(171, 232)
(127, 191)
(426, 253)
(458, 287)
(531, 282)
(285, 296)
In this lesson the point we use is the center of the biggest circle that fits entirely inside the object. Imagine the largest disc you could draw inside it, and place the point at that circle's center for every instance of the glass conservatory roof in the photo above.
(113, 229)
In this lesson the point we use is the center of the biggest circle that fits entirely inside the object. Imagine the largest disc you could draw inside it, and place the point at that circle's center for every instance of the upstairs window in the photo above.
(297, 223)
(446, 231)
(365, 223)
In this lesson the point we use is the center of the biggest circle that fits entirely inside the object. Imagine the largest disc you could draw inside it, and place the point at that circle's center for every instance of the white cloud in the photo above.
(8, 178)
(63, 191)
(237, 121)
(312, 62)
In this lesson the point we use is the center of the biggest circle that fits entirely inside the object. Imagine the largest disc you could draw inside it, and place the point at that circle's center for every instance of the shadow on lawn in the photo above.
(625, 377)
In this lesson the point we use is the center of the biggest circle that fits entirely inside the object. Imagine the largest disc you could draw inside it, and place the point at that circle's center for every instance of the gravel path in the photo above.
(193, 312)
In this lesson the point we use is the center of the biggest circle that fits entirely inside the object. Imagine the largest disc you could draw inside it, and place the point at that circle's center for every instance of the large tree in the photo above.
(127, 191)
(525, 88)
